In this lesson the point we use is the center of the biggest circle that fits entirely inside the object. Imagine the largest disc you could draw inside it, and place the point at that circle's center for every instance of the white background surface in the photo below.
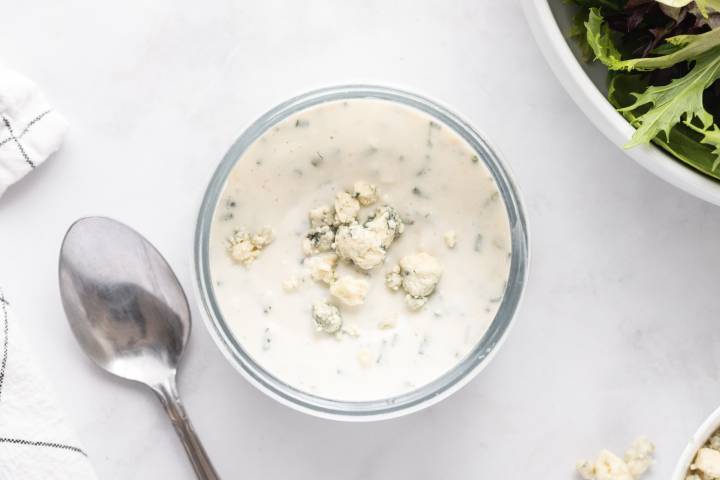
(619, 334)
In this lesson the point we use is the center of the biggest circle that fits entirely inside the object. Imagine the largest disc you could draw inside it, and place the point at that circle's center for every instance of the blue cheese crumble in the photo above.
(244, 247)
(366, 245)
(418, 275)
(608, 466)
(327, 317)
(386, 225)
(360, 245)
(365, 193)
(336, 233)
(318, 240)
(322, 216)
(338, 228)
(347, 207)
(450, 238)
(322, 267)
(350, 290)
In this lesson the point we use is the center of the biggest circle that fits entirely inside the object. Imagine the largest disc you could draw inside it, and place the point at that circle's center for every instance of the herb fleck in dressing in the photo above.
(381, 348)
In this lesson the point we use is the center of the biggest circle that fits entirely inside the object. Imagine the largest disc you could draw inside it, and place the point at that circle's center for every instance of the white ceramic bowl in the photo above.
(549, 21)
(710, 426)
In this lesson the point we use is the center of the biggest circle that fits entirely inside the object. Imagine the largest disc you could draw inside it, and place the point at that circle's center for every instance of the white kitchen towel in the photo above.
(30, 130)
(35, 441)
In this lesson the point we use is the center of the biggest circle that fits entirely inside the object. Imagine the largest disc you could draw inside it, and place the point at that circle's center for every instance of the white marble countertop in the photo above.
(620, 329)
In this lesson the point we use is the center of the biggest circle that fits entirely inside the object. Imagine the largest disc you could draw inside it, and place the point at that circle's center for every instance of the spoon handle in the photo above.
(196, 453)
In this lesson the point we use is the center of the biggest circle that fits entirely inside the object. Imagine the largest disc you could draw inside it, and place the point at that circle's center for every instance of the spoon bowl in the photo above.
(124, 304)
(129, 314)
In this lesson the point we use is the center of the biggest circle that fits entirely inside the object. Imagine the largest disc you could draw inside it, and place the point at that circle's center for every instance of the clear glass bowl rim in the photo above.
(425, 395)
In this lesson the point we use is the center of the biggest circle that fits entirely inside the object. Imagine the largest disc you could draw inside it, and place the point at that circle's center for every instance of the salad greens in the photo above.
(703, 5)
(663, 58)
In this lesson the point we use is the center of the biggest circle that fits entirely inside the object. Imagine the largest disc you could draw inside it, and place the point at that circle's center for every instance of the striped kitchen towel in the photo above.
(30, 130)
(35, 441)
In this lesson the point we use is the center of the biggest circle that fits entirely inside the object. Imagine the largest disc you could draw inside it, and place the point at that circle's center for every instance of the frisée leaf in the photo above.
(681, 99)
(682, 47)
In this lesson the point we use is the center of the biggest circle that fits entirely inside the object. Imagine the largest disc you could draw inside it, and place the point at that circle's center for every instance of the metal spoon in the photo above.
(130, 315)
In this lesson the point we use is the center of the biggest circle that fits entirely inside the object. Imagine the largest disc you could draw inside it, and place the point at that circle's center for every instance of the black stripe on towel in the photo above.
(30, 443)
(17, 142)
(33, 122)
(3, 360)
(22, 134)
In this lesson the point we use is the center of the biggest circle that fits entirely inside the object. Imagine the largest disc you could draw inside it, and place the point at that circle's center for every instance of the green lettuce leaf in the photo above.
(684, 47)
(685, 142)
(703, 5)
(712, 138)
(599, 39)
(681, 99)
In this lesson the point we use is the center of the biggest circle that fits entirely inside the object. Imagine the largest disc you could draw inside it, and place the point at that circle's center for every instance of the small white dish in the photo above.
(549, 20)
(709, 426)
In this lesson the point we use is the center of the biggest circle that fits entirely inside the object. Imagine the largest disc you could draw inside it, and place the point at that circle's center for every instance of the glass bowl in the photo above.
(412, 401)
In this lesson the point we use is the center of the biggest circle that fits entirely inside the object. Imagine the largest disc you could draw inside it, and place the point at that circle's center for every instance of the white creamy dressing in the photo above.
(432, 177)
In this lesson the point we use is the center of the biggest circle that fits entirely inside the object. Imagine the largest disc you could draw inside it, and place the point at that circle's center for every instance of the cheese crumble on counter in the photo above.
(608, 466)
